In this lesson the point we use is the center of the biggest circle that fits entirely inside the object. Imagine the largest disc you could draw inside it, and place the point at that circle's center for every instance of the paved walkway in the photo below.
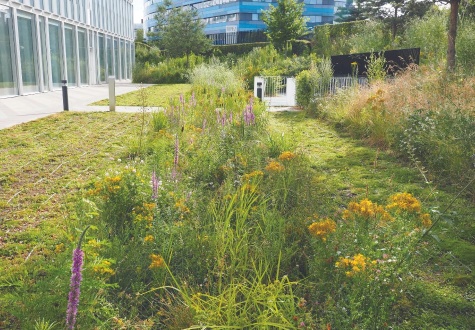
(21, 109)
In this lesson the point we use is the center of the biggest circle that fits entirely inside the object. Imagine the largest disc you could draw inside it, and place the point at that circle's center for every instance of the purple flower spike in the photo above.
(155, 185)
(175, 160)
(76, 278)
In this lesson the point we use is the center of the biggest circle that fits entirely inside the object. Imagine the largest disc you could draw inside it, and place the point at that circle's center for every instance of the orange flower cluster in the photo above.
(252, 175)
(366, 209)
(144, 212)
(274, 166)
(425, 219)
(406, 202)
(157, 261)
(321, 229)
(286, 155)
(354, 265)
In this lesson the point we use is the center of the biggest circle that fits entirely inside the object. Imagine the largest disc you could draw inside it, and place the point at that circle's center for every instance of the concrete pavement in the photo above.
(21, 109)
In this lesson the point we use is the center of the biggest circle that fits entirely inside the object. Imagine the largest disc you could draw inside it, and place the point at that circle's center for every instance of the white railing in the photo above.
(276, 90)
(330, 87)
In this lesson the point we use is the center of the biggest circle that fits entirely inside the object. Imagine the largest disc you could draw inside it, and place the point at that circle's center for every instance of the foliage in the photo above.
(395, 14)
(465, 46)
(425, 118)
(145, 53)
(335, 39)
(237, 49)
(372, 36)
(215, 76)
(180, 31)
(139, 35)
(310, 81)
(169, 71)
(376, 68)
(285, 22)
(430, 35)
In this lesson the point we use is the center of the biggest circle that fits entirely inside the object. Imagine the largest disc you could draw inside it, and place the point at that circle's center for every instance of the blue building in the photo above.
(238, 21)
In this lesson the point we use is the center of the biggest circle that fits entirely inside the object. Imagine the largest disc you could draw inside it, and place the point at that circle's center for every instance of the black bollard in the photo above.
(65, 95)
(259, 91)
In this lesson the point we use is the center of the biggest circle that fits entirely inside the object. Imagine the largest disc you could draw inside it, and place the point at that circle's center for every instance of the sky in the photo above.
(138, 10)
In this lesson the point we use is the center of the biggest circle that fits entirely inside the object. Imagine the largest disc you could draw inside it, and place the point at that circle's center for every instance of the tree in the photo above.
(396, 13)
(452, 35)
(180, 31)
(284, 22)
(350, 12)
(139, 36)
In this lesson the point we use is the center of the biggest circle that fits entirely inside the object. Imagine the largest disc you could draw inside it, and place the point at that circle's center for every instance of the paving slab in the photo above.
(20, 109)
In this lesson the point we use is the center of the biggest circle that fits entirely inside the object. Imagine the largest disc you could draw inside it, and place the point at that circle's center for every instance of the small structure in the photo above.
(276, 91)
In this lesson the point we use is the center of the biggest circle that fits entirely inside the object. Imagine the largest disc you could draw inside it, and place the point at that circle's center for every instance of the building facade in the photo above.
(236, 21)
(43, 42)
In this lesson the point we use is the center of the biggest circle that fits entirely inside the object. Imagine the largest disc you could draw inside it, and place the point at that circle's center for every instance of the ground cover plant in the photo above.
(216, 214)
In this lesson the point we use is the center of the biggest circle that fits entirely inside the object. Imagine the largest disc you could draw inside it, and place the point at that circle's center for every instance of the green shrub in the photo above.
(430, 35)
(465, 47)
(215, 77)
(238, 49)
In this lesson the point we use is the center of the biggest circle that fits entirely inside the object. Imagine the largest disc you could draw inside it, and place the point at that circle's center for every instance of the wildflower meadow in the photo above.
(213, 224)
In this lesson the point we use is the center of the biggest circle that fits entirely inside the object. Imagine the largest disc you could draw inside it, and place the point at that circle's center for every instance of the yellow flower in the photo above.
(405, 201)
(59, 248)
(274, 166)
(354, 265)
(149, 238)
(157, 261)
(426, 221)
(254, 174)
(321, 229)
(286, 155)
(104, 268)
(366, 209)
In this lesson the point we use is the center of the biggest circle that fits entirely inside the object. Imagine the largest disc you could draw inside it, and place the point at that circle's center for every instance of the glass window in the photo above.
(7, 83)
(27, 53)
(44, 51)
(116, 59)
(70, 41)
(55, 52)
(82, 48)
(122, 60)
(110, 57)
(102, 62)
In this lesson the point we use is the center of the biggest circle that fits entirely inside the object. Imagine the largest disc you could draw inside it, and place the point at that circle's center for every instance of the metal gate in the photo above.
(276, 91)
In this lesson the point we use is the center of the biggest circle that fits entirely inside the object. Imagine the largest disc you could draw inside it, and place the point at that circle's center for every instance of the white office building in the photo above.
(43, 42)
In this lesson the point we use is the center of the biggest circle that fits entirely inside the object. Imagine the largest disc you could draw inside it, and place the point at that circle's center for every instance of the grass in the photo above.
(351, 170)
(158, 96)
(45, 164)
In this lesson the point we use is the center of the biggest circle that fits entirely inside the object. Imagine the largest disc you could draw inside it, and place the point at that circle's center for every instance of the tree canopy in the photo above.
(285, 22)
(179, 31)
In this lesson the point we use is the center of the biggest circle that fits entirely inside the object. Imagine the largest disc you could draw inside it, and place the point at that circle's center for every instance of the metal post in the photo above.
(65, 95)
(112, 93)
(259, 90)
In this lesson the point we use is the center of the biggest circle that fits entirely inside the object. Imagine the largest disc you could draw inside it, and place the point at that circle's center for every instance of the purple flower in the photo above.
(193, 100)
(175, 160)
(155, 185)
(76, 277)
(182, 99)
(249, 117)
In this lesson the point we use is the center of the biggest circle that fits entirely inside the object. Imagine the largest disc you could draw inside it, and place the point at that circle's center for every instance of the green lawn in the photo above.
(158, 96)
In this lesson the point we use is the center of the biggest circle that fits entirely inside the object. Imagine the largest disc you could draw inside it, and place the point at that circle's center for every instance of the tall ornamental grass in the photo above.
(424, 116)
